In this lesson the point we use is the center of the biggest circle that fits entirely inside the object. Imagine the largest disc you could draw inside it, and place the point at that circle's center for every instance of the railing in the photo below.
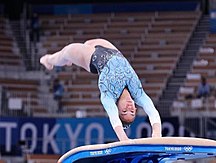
(25, 98)
(203, 115)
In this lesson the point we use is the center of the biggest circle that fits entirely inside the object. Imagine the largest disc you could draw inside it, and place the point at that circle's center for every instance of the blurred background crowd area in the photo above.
(170, 44)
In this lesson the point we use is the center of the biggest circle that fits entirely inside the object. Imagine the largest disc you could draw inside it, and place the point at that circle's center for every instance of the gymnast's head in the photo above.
(127, 109)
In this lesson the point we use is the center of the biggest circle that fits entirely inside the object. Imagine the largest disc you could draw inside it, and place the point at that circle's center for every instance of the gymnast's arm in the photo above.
(146, 103)
(112, 111)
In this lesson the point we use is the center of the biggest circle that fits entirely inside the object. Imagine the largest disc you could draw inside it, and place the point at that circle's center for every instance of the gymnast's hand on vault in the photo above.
(156, 135)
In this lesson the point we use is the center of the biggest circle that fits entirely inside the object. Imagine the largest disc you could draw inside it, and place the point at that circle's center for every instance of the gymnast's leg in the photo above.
(75, 53)
(102, 42)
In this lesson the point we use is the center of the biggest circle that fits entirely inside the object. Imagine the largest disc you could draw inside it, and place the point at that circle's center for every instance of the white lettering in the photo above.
(141, 127)
(173, 148)
(169, 127)
(32, 128)
(93, 153)
(49, 138)
(73, 135)
(8, 127)
(100, 130)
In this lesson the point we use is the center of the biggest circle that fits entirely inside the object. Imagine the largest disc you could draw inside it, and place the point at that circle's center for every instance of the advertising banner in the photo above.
(58, 135)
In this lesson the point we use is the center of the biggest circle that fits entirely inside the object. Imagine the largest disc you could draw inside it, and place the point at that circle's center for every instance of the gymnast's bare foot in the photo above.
(44, 62)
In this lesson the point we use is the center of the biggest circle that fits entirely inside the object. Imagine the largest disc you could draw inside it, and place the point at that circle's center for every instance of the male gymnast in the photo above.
(118, 83)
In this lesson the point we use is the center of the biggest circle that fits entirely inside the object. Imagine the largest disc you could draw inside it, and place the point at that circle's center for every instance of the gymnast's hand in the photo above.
(156, 130)
(156, 135)
(44, 61)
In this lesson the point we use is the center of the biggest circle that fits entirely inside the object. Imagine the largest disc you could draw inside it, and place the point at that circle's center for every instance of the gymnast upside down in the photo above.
(118, 83)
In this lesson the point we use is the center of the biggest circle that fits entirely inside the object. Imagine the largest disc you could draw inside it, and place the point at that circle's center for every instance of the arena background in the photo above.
(171, 45)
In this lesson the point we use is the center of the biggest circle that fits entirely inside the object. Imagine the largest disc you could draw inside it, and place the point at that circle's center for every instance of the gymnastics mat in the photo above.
(144, 150)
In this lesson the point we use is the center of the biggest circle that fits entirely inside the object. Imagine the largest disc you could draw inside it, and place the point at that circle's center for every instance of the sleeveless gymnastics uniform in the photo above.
(115, 74)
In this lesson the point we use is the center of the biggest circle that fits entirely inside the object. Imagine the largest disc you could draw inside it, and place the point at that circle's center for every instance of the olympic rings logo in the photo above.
(108, 151)
(188, 148)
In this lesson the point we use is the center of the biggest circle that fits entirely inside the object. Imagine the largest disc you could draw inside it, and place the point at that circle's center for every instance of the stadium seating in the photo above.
(25, 90)
(204, 65)
(42, 158)
(12, 66)
(148, 40)
(9, 52)
(159, 51)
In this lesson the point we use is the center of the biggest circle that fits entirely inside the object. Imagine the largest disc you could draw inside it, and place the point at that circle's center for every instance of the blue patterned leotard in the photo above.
(115, 74)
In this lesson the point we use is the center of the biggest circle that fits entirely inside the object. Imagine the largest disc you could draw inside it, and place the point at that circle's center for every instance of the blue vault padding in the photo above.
(145, 150)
